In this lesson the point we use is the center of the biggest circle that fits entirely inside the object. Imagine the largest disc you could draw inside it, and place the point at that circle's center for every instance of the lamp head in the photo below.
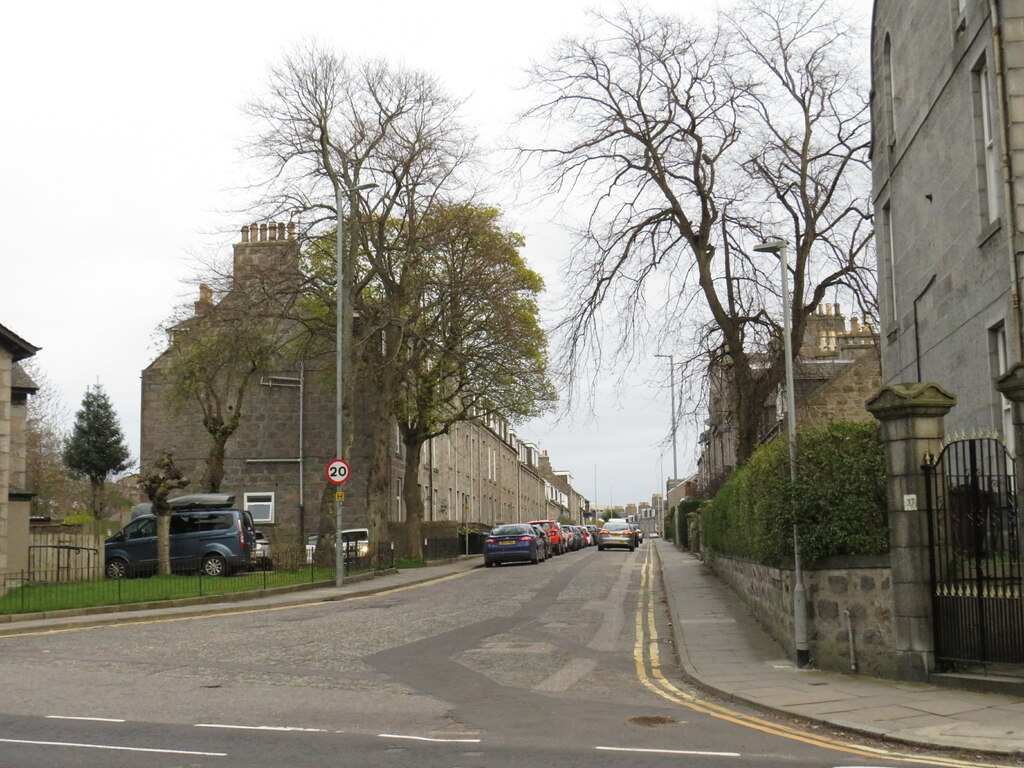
(771, 245)
(361, 187)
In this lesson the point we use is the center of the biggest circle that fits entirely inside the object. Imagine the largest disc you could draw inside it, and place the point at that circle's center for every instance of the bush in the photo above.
(838, 500)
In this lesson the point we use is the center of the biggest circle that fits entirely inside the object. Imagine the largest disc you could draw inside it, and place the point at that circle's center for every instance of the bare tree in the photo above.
(688, 144)
(157, 482)
(328, 125)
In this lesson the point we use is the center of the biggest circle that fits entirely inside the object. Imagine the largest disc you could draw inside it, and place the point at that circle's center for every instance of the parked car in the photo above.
(572, 541)
(215, 542)
(554, 532)
(262, 553)
(548, 549)
(616, 533)
(638, 533)
(585, 533)
(514, 542)
(357, 544)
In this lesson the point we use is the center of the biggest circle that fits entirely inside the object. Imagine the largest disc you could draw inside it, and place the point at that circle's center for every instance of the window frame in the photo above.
(258, 497)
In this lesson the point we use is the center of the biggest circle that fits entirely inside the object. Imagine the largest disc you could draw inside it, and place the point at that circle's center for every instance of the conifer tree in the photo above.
(96, 448)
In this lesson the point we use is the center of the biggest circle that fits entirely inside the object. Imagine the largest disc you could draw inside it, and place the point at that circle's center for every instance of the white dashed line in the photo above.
(113, 747)
(261, 727)
(426, 738)
(669, 751)
(90, 719)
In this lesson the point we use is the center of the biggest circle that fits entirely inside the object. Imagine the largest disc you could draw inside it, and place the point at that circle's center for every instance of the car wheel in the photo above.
(600, 548)
(117, 569)
(632, 548)
(536, 557)
(215, 565)
(487, 563)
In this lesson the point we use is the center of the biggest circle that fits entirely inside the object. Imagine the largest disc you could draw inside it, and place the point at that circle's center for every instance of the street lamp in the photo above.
(675, 467)
(777, 245)
(339, 369)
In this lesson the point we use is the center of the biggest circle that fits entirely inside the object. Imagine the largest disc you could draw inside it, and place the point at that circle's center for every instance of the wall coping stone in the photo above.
(1011, 383)
(909, 400)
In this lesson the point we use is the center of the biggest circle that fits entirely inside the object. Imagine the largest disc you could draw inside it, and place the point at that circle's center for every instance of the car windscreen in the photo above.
(617, 527)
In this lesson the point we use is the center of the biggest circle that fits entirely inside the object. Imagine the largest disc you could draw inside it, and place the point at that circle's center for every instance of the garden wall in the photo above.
(859, 584)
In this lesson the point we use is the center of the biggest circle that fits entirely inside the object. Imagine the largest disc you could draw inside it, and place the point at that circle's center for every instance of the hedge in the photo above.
(838, 500)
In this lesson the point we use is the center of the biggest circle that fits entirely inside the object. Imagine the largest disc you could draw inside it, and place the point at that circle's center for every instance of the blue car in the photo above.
(515, 542)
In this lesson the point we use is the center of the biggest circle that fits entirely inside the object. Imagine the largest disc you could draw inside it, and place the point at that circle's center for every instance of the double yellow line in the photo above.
(647, 657)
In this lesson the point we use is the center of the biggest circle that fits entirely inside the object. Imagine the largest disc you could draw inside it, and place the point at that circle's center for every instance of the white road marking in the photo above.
(567, 675)
(426, 738)
(669, 751)
(114, 747)
(91, 719)
(260, 727)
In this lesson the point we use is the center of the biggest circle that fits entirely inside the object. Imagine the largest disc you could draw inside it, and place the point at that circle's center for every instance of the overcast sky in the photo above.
(120, 161)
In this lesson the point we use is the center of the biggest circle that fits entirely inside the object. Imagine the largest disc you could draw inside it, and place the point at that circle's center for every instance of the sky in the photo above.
(121, 167)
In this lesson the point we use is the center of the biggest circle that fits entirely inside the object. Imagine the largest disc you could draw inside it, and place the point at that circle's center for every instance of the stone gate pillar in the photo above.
(912, 417)
(1011, 384)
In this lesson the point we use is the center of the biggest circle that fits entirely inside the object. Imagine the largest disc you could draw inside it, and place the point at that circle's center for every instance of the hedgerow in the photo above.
(838, 500)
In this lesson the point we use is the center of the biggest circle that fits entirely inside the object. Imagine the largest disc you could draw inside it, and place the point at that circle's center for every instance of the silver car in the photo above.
(615, 533)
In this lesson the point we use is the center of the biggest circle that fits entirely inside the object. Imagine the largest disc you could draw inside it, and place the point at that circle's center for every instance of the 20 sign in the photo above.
(338, 471)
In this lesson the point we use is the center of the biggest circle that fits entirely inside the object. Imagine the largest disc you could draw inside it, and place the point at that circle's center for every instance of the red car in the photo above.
(554, 533)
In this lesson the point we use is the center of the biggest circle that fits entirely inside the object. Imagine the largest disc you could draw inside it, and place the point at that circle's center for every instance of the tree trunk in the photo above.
(96, 500)
(379, 475)
(163, 544)
(213, 475)
(413, 499)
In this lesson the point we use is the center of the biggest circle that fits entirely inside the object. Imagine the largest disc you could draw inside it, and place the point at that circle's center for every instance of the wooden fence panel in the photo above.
(63, 556)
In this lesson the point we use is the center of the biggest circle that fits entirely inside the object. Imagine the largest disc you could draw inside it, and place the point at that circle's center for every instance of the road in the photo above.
(564, 663)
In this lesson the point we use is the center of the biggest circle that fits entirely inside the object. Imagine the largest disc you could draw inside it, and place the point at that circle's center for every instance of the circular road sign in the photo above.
(338, 471)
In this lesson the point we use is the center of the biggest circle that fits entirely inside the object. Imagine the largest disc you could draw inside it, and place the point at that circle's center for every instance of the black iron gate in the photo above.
(974, 536)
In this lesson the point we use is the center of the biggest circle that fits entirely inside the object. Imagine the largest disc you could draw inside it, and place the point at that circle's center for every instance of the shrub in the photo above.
(838, 500)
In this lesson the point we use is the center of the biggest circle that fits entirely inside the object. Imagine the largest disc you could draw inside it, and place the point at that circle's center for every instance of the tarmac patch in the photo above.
(650, 722)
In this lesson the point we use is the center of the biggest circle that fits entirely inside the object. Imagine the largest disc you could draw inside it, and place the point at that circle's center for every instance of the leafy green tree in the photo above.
(96, 448)
(212, 361)
(471, 345)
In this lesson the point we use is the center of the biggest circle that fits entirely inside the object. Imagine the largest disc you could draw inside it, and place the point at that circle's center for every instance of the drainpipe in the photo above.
(917, 337)
(1007, 169)
(849, 635)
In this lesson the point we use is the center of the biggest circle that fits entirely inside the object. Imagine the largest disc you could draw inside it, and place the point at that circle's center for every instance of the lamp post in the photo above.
(675, 467)
(777, 245)
(339, 369)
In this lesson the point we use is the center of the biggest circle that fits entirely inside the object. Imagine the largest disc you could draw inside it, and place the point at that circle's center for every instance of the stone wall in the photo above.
(858, 585)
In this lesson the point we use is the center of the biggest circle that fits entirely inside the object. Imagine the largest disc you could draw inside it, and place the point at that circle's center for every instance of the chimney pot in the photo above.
(245, 234)
(263, 233)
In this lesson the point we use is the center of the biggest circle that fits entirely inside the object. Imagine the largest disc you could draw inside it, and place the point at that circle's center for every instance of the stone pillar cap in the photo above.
(1011, 383)
(910, 399)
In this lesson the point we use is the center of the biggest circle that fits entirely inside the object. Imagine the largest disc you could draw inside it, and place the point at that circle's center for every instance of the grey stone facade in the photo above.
(480, 474)
(15, 388)
(947, 234)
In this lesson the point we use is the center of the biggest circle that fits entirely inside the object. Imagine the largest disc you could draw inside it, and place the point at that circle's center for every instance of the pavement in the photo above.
(722, 649)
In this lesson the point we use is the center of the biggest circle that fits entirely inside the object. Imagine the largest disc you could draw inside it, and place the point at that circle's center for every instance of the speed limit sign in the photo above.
(338, 471)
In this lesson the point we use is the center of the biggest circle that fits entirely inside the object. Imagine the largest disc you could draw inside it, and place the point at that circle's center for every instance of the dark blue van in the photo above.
(215, 542)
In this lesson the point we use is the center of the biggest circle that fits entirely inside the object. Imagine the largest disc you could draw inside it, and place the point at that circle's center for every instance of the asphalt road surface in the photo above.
(565, 663)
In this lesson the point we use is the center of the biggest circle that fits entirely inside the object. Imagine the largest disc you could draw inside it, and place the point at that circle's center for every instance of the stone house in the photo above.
(835, 372)
(948, 83)
(15, 389)
(481, 473)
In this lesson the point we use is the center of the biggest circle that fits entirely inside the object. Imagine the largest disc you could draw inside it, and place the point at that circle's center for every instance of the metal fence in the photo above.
(77, 578)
